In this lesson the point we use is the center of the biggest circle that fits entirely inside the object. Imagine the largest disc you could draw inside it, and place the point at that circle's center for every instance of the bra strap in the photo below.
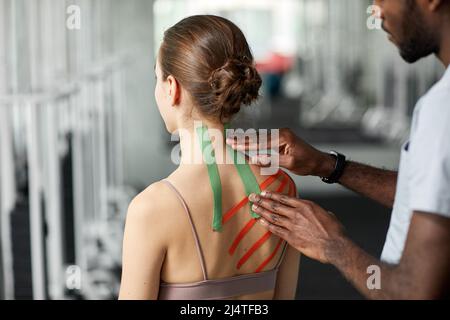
(283, 253)
(194, 231)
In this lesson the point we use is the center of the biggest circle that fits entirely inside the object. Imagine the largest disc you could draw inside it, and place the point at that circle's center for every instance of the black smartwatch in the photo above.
(338, 168)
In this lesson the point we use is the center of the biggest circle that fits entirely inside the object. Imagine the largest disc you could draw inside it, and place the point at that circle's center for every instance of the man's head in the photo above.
(414, 26)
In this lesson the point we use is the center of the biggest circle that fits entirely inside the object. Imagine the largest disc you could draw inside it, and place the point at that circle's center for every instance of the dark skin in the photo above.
(302, 159)
(424, 269)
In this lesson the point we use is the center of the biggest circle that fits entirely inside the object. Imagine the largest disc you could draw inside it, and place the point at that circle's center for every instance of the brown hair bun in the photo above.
(235, 84)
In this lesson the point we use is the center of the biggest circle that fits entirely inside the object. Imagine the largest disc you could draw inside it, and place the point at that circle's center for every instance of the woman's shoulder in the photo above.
(150, 206)
(145, 200)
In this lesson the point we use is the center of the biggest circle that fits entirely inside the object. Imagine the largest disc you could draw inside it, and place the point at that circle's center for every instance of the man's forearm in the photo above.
(353, 263)
(374, 183)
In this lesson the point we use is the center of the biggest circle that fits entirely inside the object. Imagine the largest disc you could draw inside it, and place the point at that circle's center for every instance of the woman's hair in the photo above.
(210, 57)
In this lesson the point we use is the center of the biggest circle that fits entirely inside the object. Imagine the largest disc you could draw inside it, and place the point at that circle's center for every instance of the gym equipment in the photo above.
(62, 192)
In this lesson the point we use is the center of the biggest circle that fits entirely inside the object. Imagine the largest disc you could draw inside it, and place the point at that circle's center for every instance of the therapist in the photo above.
(415, 262)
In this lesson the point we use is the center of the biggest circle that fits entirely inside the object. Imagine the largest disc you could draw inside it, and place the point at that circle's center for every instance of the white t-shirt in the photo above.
(423, 182)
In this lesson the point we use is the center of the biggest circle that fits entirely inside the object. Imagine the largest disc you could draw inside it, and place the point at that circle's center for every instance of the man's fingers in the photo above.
(272, 217)
(265, 160)
(276, 230)
(281, 198)
(261, 160)
(271, 205)
(249, 143)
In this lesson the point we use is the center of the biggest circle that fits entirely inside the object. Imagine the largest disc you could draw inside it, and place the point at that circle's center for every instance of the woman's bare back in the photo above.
(222, 258)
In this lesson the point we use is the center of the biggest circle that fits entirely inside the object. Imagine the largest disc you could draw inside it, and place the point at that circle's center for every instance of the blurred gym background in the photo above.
(80, 133)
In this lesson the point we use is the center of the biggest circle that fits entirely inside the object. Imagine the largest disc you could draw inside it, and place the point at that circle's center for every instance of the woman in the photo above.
(205, 72)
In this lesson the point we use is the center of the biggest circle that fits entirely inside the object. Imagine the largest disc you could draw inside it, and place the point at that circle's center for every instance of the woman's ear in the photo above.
(174, 91)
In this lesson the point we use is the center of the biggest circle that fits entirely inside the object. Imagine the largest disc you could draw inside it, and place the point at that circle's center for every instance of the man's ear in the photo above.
(174, 92)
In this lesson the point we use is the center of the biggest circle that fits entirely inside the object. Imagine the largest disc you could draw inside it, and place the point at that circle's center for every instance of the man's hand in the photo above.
(295, 154)
(423, 271)
(303, 159)
(303, 224)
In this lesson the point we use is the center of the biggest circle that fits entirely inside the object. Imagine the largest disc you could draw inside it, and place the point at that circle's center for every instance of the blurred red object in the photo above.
(275, 63)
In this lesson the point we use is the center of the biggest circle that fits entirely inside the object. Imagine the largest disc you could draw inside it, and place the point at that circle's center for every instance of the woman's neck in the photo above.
(191, 149)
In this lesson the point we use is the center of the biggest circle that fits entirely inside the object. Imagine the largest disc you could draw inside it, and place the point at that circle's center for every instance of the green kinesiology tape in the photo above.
(243, 168)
